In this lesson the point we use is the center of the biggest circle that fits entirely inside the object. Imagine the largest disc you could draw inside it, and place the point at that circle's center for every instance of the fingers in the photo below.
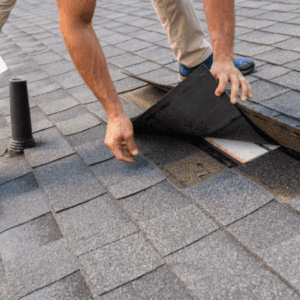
(131, 146)
(235, 85)
(244, 86)
(119, 151)
(226, 71)
(119, 138)
(123, 149)
(223, 81)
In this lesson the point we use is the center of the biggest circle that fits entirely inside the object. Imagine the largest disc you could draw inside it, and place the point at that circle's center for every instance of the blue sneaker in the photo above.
(245, 66)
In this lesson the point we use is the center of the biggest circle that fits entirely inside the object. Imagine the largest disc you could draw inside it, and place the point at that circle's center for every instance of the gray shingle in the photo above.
(97, 109)
(68, 114)
(125, 60)
(128, 84)
(278, 16)
(60, 47)
(5, 131)
(11, 52)
(278, 56)
(24, 67)
(35, 76)
(217, 268)
(68, 182)
(52, 96)
(116, 73)
(295, 203)
(59, 67)
(295, 65)
(258, 24)
(4, 290)
(239, 32)
(290, 80)
(149, 36)
(287, 120)
(4, 145)
(250, 49)
(281, 7)
(273, 234)
(142, 22)
(258, 108)
(284, 28)
(130, 109)
(156, 27)
(78, 124)
(275, 171)
(4, 92)
(261, 37)
(286, 103)
(123, 179)
(115, 38)
(110, 51)
(229, 196)
(52, 107)
(178, 229)
(12, 168)
(263, 90)
(43, 86)
(154, 202)
(70, 79)
(47, 57)
(51, 146)
(70, 287)
(94, 152)
(252, 4)
(115, 264)
(51, 40)
(83, 94)
(38, 120)
(269, 71)
(41, 267)
(18, 207)
(290, 44)
(159, 54)
(159, 284)
(126, 29)
(162, 76)
(94, 134)
(94, 224)
(28, 237)
(134, 45)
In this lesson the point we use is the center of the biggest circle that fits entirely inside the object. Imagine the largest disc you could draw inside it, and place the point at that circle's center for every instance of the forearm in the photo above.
(221, 22)
(88, 58)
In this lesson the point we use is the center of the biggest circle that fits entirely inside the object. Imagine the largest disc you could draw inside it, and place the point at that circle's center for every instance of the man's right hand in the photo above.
(119, 138)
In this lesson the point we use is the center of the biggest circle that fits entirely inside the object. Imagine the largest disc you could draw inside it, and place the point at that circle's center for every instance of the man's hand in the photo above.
(225, 71)
(119, 138)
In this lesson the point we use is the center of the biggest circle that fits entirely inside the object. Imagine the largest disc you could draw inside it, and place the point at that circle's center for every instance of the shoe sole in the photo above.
(247, 72)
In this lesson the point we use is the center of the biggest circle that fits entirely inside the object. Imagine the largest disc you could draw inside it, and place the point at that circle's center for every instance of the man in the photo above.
(187, 41)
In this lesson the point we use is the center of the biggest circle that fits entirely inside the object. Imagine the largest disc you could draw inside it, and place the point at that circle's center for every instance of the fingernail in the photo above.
(234, 100)
(243, 98)
(135, 152)
(218, 94)
(250, 95)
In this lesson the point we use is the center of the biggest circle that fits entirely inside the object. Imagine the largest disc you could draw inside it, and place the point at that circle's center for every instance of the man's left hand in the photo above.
(225, 71)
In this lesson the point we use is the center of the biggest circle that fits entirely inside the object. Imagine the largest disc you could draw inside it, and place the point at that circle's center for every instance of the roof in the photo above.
(175, 224)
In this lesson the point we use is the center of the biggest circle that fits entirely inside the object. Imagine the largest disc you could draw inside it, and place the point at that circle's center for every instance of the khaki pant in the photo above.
(5, 7)
(186, 37)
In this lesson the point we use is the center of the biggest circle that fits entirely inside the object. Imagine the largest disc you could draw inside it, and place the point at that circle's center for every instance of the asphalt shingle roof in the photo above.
(75, 223)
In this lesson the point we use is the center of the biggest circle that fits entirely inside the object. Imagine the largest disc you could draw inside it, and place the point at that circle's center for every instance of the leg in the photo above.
(5, 8)
(184, 30)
